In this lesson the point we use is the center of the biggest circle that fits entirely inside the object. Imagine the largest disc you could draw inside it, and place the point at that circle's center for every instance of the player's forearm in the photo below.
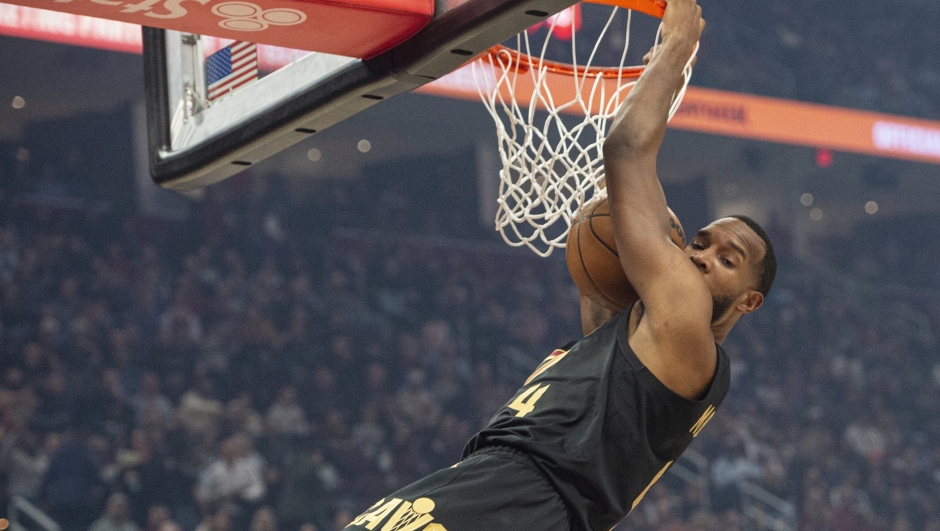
(641, 121)
(633, 143)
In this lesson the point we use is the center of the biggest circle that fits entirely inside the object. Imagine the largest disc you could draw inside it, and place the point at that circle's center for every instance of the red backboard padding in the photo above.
(362, 28)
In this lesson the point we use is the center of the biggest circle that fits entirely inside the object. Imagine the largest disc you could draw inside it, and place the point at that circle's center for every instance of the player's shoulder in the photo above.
(684, 359)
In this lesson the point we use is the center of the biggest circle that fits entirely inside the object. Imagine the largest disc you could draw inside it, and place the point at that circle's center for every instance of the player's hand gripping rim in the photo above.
(683, 20)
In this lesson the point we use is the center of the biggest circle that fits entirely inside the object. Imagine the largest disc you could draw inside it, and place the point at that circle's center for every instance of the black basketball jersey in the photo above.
(600, 426)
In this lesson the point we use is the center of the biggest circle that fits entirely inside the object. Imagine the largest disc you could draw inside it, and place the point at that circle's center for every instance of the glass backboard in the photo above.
(195, 142)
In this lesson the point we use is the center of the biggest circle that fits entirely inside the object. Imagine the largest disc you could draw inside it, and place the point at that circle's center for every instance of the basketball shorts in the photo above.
(494, 489)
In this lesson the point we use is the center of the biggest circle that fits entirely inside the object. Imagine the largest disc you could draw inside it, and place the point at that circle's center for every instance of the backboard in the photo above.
(195, 142)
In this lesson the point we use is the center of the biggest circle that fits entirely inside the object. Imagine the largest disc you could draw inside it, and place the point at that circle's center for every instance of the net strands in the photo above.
(552, 164)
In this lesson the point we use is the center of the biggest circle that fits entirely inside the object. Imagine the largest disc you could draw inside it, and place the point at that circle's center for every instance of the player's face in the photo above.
(727, 253)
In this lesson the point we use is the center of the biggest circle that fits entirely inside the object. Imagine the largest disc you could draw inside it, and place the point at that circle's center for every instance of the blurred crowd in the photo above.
(262, 368)
(869, 55)
(878, 56)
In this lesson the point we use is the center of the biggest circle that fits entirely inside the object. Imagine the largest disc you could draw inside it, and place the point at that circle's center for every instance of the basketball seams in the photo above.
(590, 219)
(608, 248)
(597, 269)
(584, 268)
(604, 205)
(597, 236)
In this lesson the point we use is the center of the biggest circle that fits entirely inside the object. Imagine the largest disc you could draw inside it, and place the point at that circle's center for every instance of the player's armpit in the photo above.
(593, 315)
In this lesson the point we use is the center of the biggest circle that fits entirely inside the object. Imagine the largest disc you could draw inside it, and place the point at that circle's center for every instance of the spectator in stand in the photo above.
(323, 394)
(152, 407)
(177, 348)
(341, 519)
(170, 526)
(35, 364)
(285, 417)
(200, 415)
(263, 520)
(866, 440)
(25, 460)
(414, 404)
(116, 516)
(376, 393)
(234, 482)
(158, 516)
(17, 397)
(9, 254)
(219, 520)
(368, 435)
(104, 405)
(451, 436)
(729, 471)
(57, 404)
(72, 487)
(240, 416)
(307, 485)
(487, 394)
(446, 385)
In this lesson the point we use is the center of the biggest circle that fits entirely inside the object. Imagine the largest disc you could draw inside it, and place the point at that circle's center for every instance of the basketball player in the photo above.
(597, 424)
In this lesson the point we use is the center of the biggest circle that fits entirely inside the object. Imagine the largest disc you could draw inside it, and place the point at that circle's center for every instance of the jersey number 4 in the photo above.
(525, 402)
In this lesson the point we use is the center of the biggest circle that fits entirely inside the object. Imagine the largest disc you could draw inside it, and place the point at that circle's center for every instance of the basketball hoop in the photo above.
(551, 167)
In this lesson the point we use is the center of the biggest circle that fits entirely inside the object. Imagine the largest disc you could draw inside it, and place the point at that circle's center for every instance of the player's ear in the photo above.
(752, 300)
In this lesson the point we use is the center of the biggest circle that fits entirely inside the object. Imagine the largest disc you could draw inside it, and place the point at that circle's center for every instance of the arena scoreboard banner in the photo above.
(806, 124)
(762, 118)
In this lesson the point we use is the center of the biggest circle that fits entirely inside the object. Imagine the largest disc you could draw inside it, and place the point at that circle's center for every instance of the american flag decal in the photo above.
(230, 68)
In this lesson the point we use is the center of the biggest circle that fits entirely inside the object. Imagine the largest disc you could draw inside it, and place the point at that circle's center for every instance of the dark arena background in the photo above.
(279, 350)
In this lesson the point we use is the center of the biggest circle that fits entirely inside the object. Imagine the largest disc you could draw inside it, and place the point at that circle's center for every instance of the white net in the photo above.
(553, 162)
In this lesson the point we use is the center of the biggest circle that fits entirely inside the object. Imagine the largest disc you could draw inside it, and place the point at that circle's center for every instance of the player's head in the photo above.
(739, 263)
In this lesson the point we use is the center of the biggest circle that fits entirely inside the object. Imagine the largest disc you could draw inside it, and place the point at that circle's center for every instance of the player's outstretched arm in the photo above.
(676, 301)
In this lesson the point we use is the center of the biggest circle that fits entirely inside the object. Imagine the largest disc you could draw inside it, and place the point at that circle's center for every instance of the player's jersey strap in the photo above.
(600, 425)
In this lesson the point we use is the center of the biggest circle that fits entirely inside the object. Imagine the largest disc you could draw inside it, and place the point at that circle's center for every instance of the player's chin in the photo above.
(721, 305)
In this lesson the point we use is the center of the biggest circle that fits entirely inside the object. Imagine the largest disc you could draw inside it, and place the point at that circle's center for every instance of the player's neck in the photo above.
(724, 325)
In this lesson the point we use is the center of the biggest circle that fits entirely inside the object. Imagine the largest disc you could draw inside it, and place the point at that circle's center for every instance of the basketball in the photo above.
(591, 253)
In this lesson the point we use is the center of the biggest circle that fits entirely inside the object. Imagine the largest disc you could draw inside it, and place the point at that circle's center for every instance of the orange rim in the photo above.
(521, 63)
(654, 8)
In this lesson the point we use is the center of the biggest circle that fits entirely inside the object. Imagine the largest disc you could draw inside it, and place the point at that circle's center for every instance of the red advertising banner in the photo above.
(41, 24)
(53, 26)
(354, 28)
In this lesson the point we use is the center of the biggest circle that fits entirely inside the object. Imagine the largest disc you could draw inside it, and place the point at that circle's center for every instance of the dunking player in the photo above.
(595, 426)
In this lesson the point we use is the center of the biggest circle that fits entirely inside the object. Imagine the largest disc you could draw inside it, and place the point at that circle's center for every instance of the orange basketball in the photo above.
(592, 257)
